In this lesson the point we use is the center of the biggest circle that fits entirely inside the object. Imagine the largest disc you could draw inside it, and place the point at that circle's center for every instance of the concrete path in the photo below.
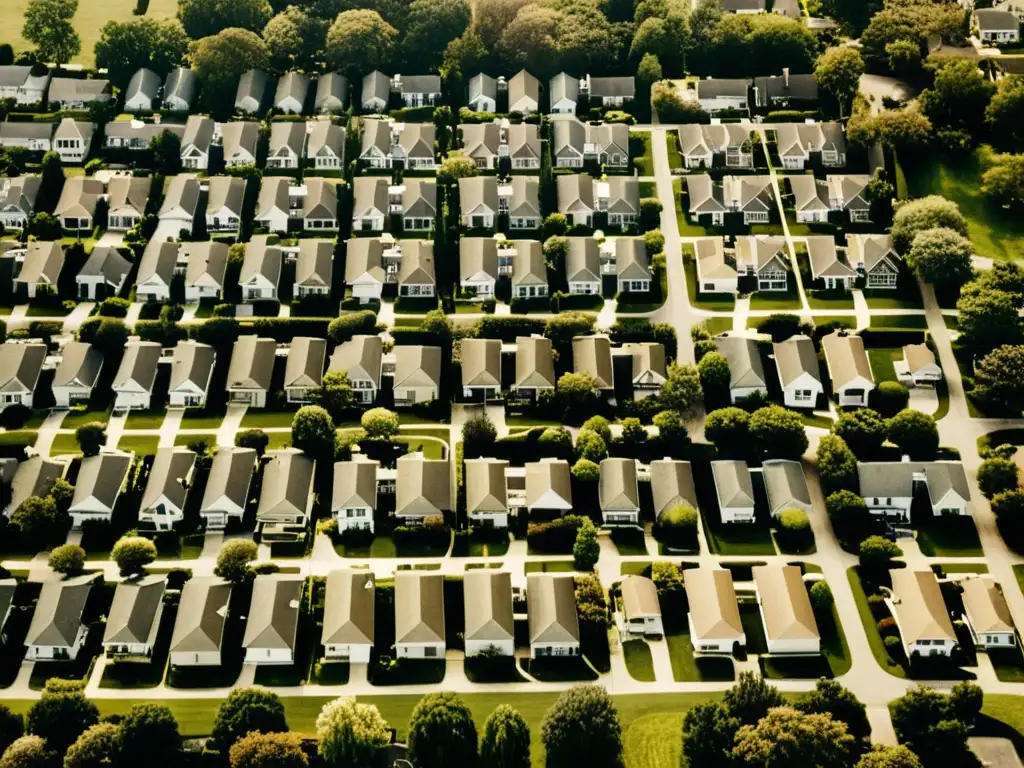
(231, 424)
(739, 315)
(170, 427)
(860, 306)
(77, 316)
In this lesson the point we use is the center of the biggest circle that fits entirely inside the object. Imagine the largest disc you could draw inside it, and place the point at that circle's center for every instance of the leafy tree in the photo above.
(778, 432)
(360, 41)
(787, 736)
(48, 24)
(582, 728)
(849, 515)
(906, 130)
(987, 319)
(590, 446)
(61, 714)
(478, 435)
(671, 428)
(260, 750)
(12, 727)
(997, 475)
(729, 430)
(108, 334)
(965, 701)
(708, 733)
(633, 432)
(166, 149)
(862, 430)
(914, 433)
(911, 20)
(676, 527)
(132, 554)
(890, 397)
(556, 442)
(294, 37)
(202, 18)
(714, 378)
(125, 47)
(877, 552)
(532, 38)
(838, 71)
(682, 389)
(829, 697)
(350, 732)
(506, 739)
(253, 438)
(836, 464)
(601, 426)
(586, 471)
(380, 423)
(577, 393)
(916, 711)
(648, 72)
(67, 559)
(751, 698)
(1002, 183)
(44, 226)
(882, 756)
(794, 522)
(454, 167)
(246, 710)
(932, 212)
(941, 256)
(442, 732)
(220, 59)
(26, 752)
(39, 521)
(150, 736)
(671, 107)
(342, 329)
(313, 432)
(586, 549)
(822, 601)
(491, 17)
(565, 326)
(234, 558)
(91, 437)
(958, 97)
(98, 746)
(1005, 113)
(999, 377)
(1004, 276)
(432, 24)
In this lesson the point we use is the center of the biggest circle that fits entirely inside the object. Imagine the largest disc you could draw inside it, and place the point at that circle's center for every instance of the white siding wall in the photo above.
(505, 647)
(208, 658)
(354, 654)
(419, 650)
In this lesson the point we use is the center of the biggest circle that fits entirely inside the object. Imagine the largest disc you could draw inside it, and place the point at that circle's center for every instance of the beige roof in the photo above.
(364, 257)
(582, 260)
(711, 260)
(985, 605)
(419, 607)
(732, 483)
(359, 357)
(618, 489)
(192, 362)
(78, 197)
(551, 608)
(305, 366)
(846, 359)
(648, 357)
(129, 191)
(273, 620)
(348, 608)
(794, 357)
(488, 605)
(920, 610)
(206, 263)
(785, 605)
(548, 482)
(478, 256)
(918, 356)
(138, 365)
(713, 608)
(252, 363)
(785, 485)
(355, 485)
(167, 477)
(896, 478)
(671, 484)
(417, 366)
(481, 362)
(528, 266)
(263, 259)
(287, 489)
(42, 265)
(202, 610)
(417, 267)
(639, 597)
(745, 366)
(486, 490)
(534, 362)
(423, 487)
(313, 265)
(158, 261)
(593, 355)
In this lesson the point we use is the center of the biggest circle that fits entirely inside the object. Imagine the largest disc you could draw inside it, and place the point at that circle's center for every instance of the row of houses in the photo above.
(721, 94)
(730, 145)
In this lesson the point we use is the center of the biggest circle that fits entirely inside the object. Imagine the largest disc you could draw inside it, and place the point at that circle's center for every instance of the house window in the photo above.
(802, 394)
(430, 651)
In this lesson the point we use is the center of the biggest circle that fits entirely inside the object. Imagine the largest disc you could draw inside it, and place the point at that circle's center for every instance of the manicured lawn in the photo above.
(871, 626)
(899, 321)
(648, 189)
(549, 566)
(279, 440)
(36, 311)
(834, 660)
(775, 300)
(847, 321)
(384, 546)
(76, 417)
(264, 419)
(478, 548)
(829, 299)
(638, 660)
(629, 541)
(513, 420)
(675, 159)
(64, 444)
(140, 444)
(430, 447)
(19, 437)
(950, 536)
(962, 567)
(643, 302)
(714, 302)
(907, 296)
(199, 418)
(881, 359)
(145, 419)
(688, 668)
(815, 420)
(717, 324)
(1008, 664)
(569, 669)
(645, 163)
(636, 568)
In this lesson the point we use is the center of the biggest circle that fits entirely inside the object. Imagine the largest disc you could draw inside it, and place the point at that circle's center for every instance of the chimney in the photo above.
(785, 76)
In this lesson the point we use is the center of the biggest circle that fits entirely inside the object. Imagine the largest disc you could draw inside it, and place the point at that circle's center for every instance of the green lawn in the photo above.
(907, 296)
(549, 566)
(140, 444)
(19, 437)
(834, 660)
(199, 418)
(675, 159)
(645, 163)
(639, 661)
(775, 300)
(64, 444)
(264, 419)
(76, 417)
(717, 324)
(871, 626)
(688, 668)
(881, 359)
(899, 321)
(829, 299)
(949, 537)
(208, 438)
(279, 440)
(962, 567)
(145, 419)
(847, 321)
(431, 448)
(999, 437)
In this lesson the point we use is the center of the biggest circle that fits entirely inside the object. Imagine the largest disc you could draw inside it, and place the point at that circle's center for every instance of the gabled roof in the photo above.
(349, 608)
(376, 85)
(273, 620)
(918, 356)
(534, 363)
(206, 262)
(801, 139)
(478, 256)
(252, 363)
(481, 362)
(225, 192)
(846, 359)
(921, 612)
(524, 200)
(325, 134)
(79, 196)
(622, 193)
(794, 358)
(582, 260)
(523, 140)
(714, 611)
(240, 135)
(69, 128)
(631, 262)
(274, 193)
(522, 86)
(785, 485)
(417, 267)
(481, 85)
(785, 605)
(191, 363)
(11, 132)
(20, 366)
(370, 196)
(294, 85)
(423, 486)
(419, 83)
(593, 355)
(486, 489)
(618, 488)
(261, 259)
(417, 139)
(419, 198)
(183, 192)
(700, 139)
(847, 190)
(134, 611)
(158, 261)
(167, 477)
(712, 262)
(789, 86)
(648, 358)
(551, 608)
(480, 140)
(320, 200)
(601, 87)
(488, 606)
(129, 191)
(355, 484)
(529, 266)
(331, 91)
(419, 607)
(202, 611)
(181, 83)
(723, 87)
(639, 597)
(745, 367)
(884, 479)
(825, 260)
(985, 606)
(199, 130)
(376, 133)
(20, 192)
(42, 265)
(34, 477)
(77, 89)
(549, 476)
(871, 250)
(100, 478)
(733, 484)
(809, 193)
(305, 366)
(313, 265)
(58, 612)
(80, 364)
(417, 366)
(252, 85)
(563, 86)
(360, 358)
(762, 251)
(477, 192)
(230, 476)
(672, 484)
(996, 20)
(287, 136)
(138, 366)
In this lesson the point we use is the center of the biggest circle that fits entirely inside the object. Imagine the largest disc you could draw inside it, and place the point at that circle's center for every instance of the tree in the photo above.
(91, 437)
(478, 435)
(862, 430)
(1004, 276)
(778, 432)
(877, 552)
(751, 698)
(836, 464)
(965, 701)
(999, 377)
(48, 24)
(132, 554)
(829, 697)
(822, 601)
(246, 710)
(890, 397)
(294, 37)
(342, 329)
(442, 732)
(1005, 113)
(219, 60)
(454, 167)
(959, 95)
(882, 756)
(431, 25)
(849, 515)
(590, 446)
(313, 432)
(491, 17)
(150, 736)
(253, 438)
(61, 714)
(506, 739)
(39, 522)
(234, 558)
(838, 71)
(67, 559)
(555, 442)
(671, 107)
(932, 212)
(915, 433)
(671, 429)
(532, 36)
(379, 423)
(941, 256)
(599, 425)
(714, 378)
(912, 20)
(360, 41)
(788, 736)
(682, 390)
(350, 733)
(648, 72)
(729, 430)
(577, 393)
(676, 527)
(916, 711)
(997, 475)
(1002, 183)
(633, 432)
(202, 18)
(708, 734)
(166, 149)
(26, 752)
(125, 47)
(98, 746)
(12, 727)
(566, 326)
(44, 226)
(582, 728)
(1008, 507)
(268, 750)
(586, 549)
(108, 334)
(586, 471)
(987, 319)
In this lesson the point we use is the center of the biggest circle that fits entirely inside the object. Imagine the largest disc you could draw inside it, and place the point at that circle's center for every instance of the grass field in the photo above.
(638, 660)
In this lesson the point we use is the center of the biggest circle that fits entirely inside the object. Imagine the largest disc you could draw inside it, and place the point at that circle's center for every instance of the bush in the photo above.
(821, 597)
(554, 537)
(887, 626)
(892, 642)
(67, 559)
(676, 527)
(997, 475)
(432, 534)
(889, 398)
(794, 521)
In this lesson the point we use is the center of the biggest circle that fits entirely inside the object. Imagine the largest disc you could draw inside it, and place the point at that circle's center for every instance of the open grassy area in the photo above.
(717, 324)
(199, 418)
(675, 159)
(907, 296)
(432, 448)
(264, 419)
(950, 536)
(639, 661)
(151, 419)
(76, 417)
(64, 444)
(829, 299)
(775, 300)
(210, 438)
(19, 437)
(899, 321)
(140, 444)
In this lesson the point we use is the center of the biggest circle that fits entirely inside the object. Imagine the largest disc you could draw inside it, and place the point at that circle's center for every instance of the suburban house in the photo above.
(417, 90)
(529, 271)
(487, 492)
(304, 368)
(422, 488)
(649, 371)
(325, 145)
(57, 632)
(918, 367)
(291, 92)
(580, 197)
(227, 488)
(482, 199)
(180, 90)
(417, 374)
(73, 139)
(135, 377)
(785, 486)
(191, 371)
(156, 271)
(135, 135)
(239, 141)
(734, 490)
(367, 270)
(996, 25)
(848, 368)
(331, 92)
(261, 270)
(181, 202)
(847, 193)
(39, 266)
(583, 266)
(554, 628)
(547, 486)
(416, 201)
(799, 143)
(101, 479)
(253, 86)
(348, 616)
(874, 257)
(618, 492)
(716, 268)
(224, 203)
(593, 355)
(20, 368)
(76, 374)
(714, 615)
(416, 276)
(797, 364)
(199, 626)
(371, 204)
(705, 146)
(387, 144)
(921, 615)
(481, 369)
(632, 266)
(576, 142)
(314, 268)
(361, 358)
(206, 265)
(127, 198)
(170, 478)
(483, 93)
(272, 626)
(523, 141)
(751, 196)
(33, 477)
(721, 94)
(535, 368)
(814, 199)
(419, 615)
(523, 93)
(640, 607)
(785, 90)
(828, 264)
(67, 93)
(250, 372)
(35, 137)
(483, 143)
(287, 145)
(376, 92)
(888, 488)
(608, 91)
(988, 616)
(746, 370)
(133, 621)
(196, 142)
(478, 265)
(563, 94)
(354, 496)
(489, 622)
(672, 485)
(810, 198)
(319, 210)
(786, 614)
(277, 204)
(77, 204)
(18, 200)
(18, 83)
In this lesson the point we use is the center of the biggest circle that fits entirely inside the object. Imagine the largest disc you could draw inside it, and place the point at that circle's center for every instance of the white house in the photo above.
(921, 614)
(76, 374)
(314, 268)
(180, 90)
(714, 615)
(290, 96)
(198, 634)
(640, 607)
(746, 370)
(354, 496)
(703, 146)
(325, 145)
(535, 370)
(371, 204)
(874, 257)
(417, 90)
(276, 204)
(18, 83)
(367, 270)
(649, 371)
(20, 368)
(734, 490)
(486, 492)
(849, 369)
(287, 145)
(239, 140)
(720, 94)
(887, 488)
(191, 371)
(997, 25)
(349, 616)
(73, 139)
(489, 622)
(618, 492)
(419, 615)
(101, 479)
(376, 92)
(764, 257)
(481, 369)
(156, 271)
(785, 486)
(181, 202)
(224, 203)
(632, 267)
(196, 141)
(127, 198)
(417, 374)
(529, 271)
(205, 267)
(77, 93)
(563, 94)
(797, 363)
(331, 92)
(583, 266)
(37, 267)
(261, 270)
(828, 264)
(478, 265)
(988, 616)
(142, 91)
(523, 93)
(227, 487)
(171, 476)
(252, 87)
(786, 614)
(250, 371)
(361, 359)
(304, 368)
(272, 626)
(483, 93)
(716, 269)
(918, 367)
(554, 628)
(18, 200)
(135, 377)
(134, 619)
(57, 632)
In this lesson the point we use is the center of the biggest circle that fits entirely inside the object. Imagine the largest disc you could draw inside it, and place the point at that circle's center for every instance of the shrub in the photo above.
(887, 626)
(890, 397)
(794, 521)
(892, 642)
(556, 536)
(676, 527)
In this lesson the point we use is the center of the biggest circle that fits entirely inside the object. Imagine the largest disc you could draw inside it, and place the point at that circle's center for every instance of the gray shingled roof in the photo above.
(481, 362)
(80, 363)
(138, 365)
(419, 607)
(202, 612)
(488, 606)
(618, 488)
(134, 611)
(273, 620)
(230, 476)
(58, 612)
(305, 366)
(551, 608)
(355, 484)
(287, 485)
(349, 608)
(20, 366)
(100, 479)
(360, 358)
(171, 466)
(252, 363)
(423, 486)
